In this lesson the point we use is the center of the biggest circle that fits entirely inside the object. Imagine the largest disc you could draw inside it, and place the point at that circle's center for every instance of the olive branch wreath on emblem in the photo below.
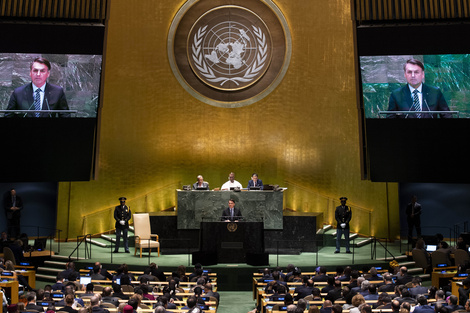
(250, 73)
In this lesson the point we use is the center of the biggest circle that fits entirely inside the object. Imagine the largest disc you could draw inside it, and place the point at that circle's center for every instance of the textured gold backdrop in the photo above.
(155, 137)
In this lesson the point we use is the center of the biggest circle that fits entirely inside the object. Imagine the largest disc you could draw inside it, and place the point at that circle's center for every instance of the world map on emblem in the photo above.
(230, 53)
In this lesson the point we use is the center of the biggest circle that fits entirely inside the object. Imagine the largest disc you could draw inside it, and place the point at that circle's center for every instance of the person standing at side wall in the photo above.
(122, 215)
(343, 217)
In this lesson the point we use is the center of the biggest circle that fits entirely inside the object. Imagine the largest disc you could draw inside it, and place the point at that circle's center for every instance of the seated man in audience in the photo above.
(156, 272)
(330, 285)
(346, 276)
(406, 297)
(103, 271)
(321, 275)
(336, 293)
(95, 305)
(388, 285)
(210, 293)
(440, 297)
(31, 298)
(88, 291)
(59, 285)
(464, 291)
(337, 308)
(316, 294)
(266, 275)
(97, 273)
(373, 295)
(383, 302)
(70, 290)
(69, 269)
(108, 298)
(423, 306)
(353, 282)
(452, 305)
(117, 292)
(358, 288)
(403, 277)
(191, 303)
(417, 288)
(327, 307)
(304, 290)
(280, 292)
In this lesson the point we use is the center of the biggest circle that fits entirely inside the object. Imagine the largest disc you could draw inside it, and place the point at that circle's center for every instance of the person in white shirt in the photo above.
(231, 182)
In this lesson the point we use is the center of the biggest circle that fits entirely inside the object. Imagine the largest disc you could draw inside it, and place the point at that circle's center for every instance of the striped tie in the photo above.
(37, 101)
(416, 106)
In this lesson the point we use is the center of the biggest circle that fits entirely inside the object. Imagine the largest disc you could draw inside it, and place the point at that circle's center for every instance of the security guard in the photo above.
(343, 217)
(122, 215)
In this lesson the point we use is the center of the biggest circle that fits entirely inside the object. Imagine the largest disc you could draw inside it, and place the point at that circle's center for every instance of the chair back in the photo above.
(142, 226)
(438, 257)
(8, 255)
(419, 256)
(460, 256)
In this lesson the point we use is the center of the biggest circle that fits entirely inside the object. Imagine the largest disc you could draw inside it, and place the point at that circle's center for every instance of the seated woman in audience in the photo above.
(181, 273)
(356, 301)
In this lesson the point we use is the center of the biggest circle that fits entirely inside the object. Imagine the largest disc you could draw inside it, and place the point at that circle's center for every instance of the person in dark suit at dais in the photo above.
(231, 214)
(38, 95)
(416, 96)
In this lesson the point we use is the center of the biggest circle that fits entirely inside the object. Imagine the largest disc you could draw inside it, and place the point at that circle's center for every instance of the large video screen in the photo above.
(77, 74)
(56, 141)
(385, 86)
(401, 144)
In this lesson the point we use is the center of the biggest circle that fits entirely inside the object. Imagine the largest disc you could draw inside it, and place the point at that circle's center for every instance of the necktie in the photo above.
(416, 106)
(37, 101)
(231, 213)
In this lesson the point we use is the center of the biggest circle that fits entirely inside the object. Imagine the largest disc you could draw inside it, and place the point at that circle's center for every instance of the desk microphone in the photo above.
(424, 100)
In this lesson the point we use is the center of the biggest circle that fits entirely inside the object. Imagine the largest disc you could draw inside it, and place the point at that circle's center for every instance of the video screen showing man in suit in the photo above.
(416, 97)
(231, 214)
(39, 94)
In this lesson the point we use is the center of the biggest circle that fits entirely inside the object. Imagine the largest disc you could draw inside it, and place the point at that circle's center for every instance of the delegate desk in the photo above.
(198, 206)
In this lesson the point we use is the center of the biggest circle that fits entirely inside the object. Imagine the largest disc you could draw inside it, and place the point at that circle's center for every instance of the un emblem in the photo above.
(224, 54)
(232, 227)
(229, 52)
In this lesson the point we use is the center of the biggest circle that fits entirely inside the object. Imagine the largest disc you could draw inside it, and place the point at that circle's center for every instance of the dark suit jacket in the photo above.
(417, 211)
(31, 306)
(259, 183)
(237, 214)
(204, 184)
(121, 213)
(433, 100)
(22, 99)
(343, 215)
(8, 204)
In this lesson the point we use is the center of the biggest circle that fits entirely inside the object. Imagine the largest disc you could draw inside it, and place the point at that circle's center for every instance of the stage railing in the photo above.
(82, 239)
(50, 237)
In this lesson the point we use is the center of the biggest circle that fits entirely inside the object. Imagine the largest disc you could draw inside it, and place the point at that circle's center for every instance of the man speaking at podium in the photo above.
(416, 96)
(38, 95)
(231, 214)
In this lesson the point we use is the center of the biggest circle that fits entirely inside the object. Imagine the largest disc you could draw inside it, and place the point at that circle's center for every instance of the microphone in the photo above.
(30, 107)
(424, 100)
(47, 103)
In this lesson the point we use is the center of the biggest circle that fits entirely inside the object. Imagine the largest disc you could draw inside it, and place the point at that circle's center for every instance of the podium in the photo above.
(231, 242)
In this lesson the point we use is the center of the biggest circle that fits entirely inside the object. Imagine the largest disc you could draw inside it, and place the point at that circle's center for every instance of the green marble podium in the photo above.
(198, 206)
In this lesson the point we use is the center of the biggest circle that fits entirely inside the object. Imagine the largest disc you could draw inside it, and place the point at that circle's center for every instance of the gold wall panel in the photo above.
(156, 137)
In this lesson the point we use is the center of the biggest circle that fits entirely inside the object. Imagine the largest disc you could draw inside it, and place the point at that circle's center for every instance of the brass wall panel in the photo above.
(52, 9)
(155, 136)
(377, 10)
